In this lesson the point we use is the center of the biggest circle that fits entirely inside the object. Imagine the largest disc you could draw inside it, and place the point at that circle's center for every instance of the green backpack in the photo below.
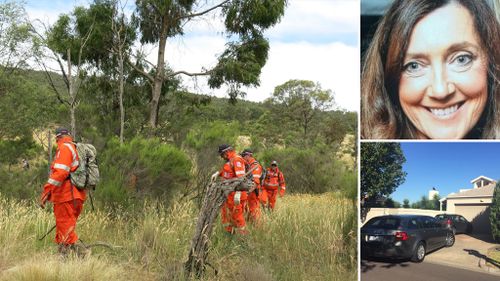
(86, 175)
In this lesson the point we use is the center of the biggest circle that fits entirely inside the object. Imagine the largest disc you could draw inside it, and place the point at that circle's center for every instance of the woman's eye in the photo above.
(462, 62)
(413, 68)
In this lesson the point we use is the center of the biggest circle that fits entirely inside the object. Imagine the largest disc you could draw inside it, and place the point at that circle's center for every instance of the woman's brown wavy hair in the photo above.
(381, 114)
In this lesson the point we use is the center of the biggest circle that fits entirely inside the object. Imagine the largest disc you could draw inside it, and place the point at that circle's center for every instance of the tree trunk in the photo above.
(158, 81)
(49, 150)
(71, 97)
(122, 109)
(73, 123)
(155, 103)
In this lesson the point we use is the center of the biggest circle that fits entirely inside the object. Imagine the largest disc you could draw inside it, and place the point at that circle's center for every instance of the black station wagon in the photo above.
(404, 237)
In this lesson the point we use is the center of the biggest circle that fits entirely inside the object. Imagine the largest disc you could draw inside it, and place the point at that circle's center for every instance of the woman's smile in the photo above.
(445, 113)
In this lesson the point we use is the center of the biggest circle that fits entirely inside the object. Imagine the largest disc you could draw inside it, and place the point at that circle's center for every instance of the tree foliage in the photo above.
(495, 213)
(15, 38)
(300, 101)
(381, 169)
(86, 32)
(239, 64)
(426, 204)
(406, 203)
(26, 102)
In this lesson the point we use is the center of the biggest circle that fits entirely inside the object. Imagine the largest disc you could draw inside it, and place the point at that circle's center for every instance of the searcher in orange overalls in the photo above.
(67, 199)
(254, 194)
(273, 181)
(232, 215)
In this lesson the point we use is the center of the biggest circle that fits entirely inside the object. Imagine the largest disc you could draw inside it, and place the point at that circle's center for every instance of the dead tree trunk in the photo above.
(216, 193)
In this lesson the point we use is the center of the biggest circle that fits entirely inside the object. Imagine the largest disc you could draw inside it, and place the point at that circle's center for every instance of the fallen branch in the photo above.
(216, 194)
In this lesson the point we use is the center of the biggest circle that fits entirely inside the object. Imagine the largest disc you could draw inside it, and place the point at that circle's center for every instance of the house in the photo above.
(474, 203)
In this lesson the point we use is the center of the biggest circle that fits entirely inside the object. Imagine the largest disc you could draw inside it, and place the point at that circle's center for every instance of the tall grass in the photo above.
(305, 238)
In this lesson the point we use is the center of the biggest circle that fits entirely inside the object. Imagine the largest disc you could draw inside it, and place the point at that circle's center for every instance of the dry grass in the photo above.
(48, 268)
(306, 238)
(494, 254)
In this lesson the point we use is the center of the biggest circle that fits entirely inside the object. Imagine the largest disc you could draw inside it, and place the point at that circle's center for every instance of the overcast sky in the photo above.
(316, 40)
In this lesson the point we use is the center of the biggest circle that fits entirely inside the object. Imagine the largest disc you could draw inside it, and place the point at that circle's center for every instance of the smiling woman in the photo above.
(431, 72)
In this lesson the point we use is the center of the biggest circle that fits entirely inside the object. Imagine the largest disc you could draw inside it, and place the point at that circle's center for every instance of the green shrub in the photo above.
(306, 170)
(349, 183)
(212, 134)
(141, 167)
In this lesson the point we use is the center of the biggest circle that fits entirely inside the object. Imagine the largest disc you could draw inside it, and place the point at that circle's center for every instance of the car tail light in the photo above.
(448, 222)
(401, 235)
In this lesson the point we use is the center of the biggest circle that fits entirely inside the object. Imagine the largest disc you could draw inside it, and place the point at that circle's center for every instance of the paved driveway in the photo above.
(467, 253)
(426, 271)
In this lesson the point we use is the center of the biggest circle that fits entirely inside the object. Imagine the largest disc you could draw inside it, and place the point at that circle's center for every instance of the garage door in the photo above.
(477, 214)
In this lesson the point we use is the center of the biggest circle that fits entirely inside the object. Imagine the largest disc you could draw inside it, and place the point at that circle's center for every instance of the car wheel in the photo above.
(419, 254)
(450, 239)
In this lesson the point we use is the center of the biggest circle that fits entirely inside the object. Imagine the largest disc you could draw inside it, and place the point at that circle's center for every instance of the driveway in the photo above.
(409, 271)
(467, 253)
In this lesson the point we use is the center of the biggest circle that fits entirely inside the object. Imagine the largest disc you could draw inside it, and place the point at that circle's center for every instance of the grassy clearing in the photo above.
(306, 238)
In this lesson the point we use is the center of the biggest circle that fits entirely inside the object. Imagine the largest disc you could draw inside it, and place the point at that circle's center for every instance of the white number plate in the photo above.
(373, 238)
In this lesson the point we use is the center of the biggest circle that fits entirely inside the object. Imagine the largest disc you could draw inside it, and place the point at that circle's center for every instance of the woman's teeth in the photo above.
(444, 112)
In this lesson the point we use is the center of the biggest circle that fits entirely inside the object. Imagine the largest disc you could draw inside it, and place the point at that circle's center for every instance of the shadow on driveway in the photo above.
(481, 256)
(469, 252)
(368, 264)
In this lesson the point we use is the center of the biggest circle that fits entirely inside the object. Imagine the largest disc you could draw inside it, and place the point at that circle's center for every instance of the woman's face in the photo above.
(443, 85)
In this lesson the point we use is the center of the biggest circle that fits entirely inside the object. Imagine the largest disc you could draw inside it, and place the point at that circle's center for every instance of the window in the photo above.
(440, 217)
(384, 222)
(429, 222)
(413, 224)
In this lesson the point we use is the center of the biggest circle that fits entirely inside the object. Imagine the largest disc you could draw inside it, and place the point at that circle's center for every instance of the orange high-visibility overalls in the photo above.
(273, 181)
(233, 219)
(68, 200)
(253, 197)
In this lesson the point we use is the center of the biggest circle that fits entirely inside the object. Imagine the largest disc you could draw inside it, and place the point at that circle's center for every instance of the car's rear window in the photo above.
(440, 217)
(384, 223)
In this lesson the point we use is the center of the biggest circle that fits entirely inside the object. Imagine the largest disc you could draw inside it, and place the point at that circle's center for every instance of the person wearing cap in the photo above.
(67, 199)
(274, 179)
(254, 194)
(233, 218)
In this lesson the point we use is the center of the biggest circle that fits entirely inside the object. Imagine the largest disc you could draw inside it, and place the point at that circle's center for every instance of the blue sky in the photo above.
(316, 40)
(446, 166)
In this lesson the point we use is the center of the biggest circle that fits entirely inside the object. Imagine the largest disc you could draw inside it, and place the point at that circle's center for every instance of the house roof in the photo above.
(482, 177)
(485, 191)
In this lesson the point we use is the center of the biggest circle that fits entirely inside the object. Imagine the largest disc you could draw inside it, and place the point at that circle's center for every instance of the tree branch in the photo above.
(53, 86)
(144, 73)
(56, 57)
(65, 77)
(189, 73)
(189, 16)
(80, 52)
